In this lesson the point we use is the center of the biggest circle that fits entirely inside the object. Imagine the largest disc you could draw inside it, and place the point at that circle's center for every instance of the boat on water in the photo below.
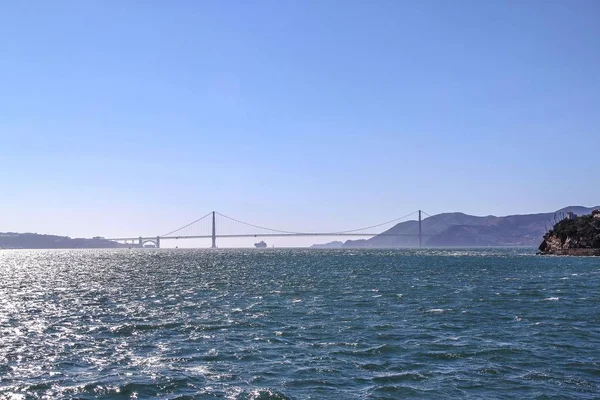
(260, 245)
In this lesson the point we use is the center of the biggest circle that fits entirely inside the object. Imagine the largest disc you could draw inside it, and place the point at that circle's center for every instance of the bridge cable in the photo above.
(336, 233)
(258, 226)
(376, 226)
(185, 226)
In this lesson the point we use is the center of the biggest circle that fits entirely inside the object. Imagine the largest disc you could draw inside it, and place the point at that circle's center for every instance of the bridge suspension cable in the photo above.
(425, 213)
(258, 226)
(186, 226)
(378, 225)
(223, 226)
(216, 225)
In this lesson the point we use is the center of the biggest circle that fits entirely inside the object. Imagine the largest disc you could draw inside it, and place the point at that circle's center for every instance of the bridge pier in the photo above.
(420, 231)
(187, 232)
(214, 230)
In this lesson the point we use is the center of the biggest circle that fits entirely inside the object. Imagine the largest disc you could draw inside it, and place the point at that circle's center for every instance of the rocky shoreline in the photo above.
(574, 236)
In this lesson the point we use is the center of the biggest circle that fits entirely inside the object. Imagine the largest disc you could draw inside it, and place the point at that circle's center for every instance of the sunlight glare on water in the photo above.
(296, 324)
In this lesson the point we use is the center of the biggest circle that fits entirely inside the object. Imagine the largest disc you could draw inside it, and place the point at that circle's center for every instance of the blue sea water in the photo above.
(298, 324)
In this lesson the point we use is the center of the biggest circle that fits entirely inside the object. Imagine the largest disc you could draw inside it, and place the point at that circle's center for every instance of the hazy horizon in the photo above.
(128, 119)
(297, 242)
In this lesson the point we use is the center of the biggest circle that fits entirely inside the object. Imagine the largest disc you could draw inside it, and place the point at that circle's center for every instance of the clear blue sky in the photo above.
(135, 117)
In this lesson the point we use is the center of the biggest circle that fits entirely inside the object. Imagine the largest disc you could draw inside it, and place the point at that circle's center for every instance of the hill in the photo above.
(11, 240)
(331, 245)
(459, 229)
(578, 236)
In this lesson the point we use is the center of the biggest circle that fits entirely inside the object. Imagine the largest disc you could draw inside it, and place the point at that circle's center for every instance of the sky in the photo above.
(128, 118)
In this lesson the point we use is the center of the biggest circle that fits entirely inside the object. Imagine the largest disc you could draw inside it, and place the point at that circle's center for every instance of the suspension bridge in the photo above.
(215, 225)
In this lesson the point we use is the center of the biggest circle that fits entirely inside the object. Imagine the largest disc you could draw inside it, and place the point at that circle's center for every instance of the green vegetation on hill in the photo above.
(582, 231)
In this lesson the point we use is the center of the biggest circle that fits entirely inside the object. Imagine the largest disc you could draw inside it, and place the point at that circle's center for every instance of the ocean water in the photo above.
(298, 324)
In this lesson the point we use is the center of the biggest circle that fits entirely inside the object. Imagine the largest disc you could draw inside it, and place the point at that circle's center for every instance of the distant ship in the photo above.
(260, 245)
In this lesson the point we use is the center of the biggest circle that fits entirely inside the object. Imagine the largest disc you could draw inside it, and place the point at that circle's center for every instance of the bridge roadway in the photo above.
(300, 234)
(185, 233)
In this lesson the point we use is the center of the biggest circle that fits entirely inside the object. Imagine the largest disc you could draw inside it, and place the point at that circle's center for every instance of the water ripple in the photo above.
(295, 324)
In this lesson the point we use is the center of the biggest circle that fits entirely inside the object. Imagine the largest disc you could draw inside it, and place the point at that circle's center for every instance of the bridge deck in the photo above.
(206, 228)
(268, 235)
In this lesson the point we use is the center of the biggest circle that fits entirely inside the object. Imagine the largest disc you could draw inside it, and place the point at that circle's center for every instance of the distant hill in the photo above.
(459, 229)
(331, 245)
(10, 240)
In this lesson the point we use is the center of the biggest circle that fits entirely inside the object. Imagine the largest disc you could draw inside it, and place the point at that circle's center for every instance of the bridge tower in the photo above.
(420, 231)
(141, 242)
(158, 242)
(214, 232)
